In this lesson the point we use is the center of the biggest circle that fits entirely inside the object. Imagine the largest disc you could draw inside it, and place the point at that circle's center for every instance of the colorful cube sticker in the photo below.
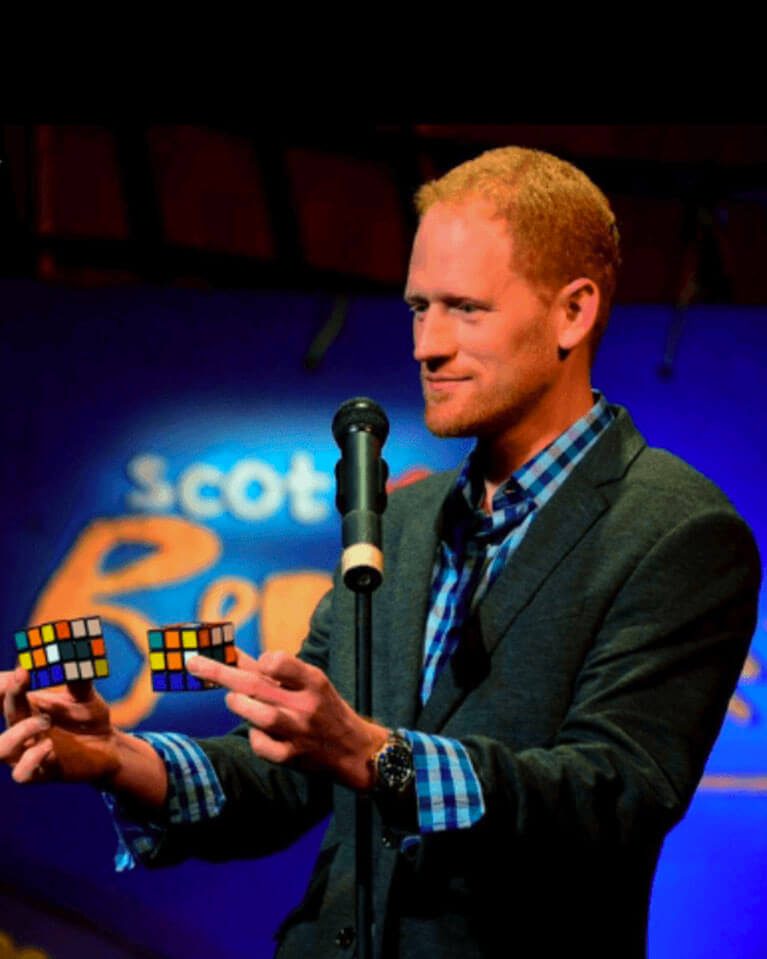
(63, 651)
(170, 647)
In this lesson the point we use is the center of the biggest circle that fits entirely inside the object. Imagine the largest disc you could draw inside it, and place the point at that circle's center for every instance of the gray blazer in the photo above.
(588, 691)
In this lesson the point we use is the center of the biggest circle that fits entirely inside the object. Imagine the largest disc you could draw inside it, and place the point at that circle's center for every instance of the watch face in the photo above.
(395, 765)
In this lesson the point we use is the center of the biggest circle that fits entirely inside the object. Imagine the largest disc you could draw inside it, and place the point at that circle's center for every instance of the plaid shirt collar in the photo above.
(528, 488)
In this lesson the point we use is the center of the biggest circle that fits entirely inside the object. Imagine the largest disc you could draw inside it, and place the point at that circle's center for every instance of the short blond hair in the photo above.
(561, 223)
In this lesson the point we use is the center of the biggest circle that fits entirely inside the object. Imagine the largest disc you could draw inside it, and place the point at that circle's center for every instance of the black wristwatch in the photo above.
(393, 765)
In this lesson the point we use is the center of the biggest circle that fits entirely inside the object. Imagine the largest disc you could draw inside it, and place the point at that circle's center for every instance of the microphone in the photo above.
(360, 428)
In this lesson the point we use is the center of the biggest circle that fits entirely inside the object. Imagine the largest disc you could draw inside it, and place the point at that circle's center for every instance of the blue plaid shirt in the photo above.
(474, 548)
(194, 794)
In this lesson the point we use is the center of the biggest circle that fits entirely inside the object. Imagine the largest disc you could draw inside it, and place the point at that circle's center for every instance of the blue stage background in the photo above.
(168, 455)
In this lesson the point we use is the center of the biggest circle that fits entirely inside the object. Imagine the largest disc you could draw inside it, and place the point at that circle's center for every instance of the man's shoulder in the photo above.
(425, 487)
(653, 496)
(671, 483)
(627, 469)
(419, 501)
(661, 495)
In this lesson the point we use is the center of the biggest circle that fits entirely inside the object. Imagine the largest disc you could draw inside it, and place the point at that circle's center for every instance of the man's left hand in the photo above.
(296, 715)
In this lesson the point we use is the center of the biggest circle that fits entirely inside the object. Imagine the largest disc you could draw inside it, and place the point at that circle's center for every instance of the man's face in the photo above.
(485, 340)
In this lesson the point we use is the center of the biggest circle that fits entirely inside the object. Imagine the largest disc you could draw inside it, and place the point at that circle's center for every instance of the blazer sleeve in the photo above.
(647, 702)
(267, 806)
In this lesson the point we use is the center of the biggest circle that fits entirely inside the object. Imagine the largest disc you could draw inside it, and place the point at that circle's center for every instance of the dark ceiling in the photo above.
(330, 209)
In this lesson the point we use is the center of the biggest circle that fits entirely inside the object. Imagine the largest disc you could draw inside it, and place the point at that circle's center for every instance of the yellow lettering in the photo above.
(9, 950)
(287, 603)
(182, 549)
(752, 669)
(739, 708)
(730, 784)
(230, 598)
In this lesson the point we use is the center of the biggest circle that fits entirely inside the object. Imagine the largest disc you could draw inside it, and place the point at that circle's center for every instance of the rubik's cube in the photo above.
(63, 651)
(170, 648)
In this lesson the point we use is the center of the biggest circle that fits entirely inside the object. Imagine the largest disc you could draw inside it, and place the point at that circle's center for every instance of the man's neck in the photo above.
(503, 454)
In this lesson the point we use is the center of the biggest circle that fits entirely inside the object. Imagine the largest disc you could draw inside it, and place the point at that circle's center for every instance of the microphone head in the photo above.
(360, 413)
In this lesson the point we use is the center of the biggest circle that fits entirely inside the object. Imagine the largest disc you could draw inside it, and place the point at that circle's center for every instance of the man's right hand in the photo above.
(66, 735)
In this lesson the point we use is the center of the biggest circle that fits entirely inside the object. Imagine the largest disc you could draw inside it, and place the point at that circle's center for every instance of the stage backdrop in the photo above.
(168, 457)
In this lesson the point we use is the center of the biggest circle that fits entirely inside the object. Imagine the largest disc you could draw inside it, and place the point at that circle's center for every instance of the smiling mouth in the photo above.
(441, 387)
(437, 380)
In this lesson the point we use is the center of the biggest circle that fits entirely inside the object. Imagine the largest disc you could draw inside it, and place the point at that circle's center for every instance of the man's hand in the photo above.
(61, 735)
(296, 715)
(67, 735)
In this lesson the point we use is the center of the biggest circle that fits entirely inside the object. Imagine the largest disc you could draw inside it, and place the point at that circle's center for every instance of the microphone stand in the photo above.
(363, 803)
(360, 427)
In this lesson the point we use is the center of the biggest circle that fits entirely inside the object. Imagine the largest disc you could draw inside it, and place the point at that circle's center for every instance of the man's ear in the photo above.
(578, 308)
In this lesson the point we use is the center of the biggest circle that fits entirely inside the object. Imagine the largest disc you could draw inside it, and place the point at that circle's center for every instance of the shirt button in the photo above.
(388, 840)
(344, 937)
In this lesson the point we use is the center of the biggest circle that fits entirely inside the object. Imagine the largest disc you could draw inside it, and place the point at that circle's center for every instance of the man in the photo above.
(561, 626)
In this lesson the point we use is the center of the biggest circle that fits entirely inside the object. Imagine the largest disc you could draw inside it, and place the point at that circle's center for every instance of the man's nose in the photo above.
(433, 335)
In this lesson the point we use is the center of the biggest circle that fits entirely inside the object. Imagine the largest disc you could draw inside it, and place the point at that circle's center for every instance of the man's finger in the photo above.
(62, 710)
(81, 690)
(233, 678)
(15, 703)
(13, 739)
(246, 662)
(287, 670)
(239, 681)
(268, 748)
(28, 768)
(272, 719)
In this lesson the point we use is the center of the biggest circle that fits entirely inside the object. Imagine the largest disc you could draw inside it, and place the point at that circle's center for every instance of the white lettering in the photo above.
(155, 492)
(192, 482)
(252, 490)
(245, 473)
(301, 484)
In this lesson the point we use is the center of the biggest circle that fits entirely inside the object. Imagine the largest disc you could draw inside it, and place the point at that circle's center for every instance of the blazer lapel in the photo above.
(561, 523)
(402, 622)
